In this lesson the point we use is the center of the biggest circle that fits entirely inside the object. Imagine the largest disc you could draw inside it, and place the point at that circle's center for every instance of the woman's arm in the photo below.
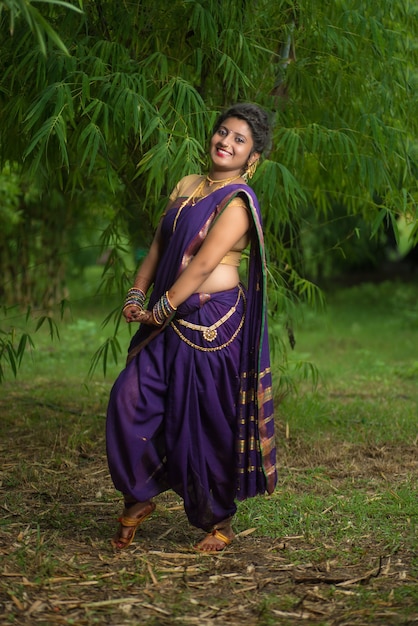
(146, 273)
(228, 229)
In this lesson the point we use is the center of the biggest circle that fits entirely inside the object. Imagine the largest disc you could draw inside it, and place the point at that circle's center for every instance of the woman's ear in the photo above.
(254, 156)
(251, 166)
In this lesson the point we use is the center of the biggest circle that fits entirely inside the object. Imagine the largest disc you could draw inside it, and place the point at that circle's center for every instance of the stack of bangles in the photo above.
(134, 297)
(163, 310)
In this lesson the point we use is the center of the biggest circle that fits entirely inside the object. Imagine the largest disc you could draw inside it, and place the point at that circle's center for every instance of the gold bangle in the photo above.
(174, 308)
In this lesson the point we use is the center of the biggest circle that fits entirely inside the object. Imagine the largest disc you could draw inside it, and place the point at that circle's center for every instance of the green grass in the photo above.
(365, 348)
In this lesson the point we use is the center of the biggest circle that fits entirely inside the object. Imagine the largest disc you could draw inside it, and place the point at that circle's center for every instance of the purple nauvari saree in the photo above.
(193, 411)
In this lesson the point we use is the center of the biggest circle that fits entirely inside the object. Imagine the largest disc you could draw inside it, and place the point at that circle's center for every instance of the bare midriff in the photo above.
(224, 276)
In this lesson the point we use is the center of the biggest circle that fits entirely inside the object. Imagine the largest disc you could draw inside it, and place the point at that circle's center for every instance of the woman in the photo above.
(192, 411)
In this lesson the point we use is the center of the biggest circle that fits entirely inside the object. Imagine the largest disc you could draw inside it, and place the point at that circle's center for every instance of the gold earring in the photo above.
(251, 168)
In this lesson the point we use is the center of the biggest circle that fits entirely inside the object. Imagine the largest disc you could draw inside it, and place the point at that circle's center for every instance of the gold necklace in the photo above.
(195, 195)
(225, 181)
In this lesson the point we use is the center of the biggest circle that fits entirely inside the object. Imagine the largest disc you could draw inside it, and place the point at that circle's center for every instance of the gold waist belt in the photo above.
(209, 333)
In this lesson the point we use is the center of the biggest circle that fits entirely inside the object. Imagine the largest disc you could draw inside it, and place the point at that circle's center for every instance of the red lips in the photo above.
(222, 152)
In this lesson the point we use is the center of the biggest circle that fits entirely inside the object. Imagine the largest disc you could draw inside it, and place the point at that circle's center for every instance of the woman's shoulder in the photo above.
(243, 193)
(185, 186)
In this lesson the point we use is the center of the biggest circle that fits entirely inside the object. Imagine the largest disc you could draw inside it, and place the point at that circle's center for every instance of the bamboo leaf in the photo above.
(67, 5)
(53, 328)
(93, 140)
(378, 221)
(39, 25)
(53, 126)
(116, 349)
(11, 355)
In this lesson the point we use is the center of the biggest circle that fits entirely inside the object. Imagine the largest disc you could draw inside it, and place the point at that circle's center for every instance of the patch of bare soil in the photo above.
(58, 511)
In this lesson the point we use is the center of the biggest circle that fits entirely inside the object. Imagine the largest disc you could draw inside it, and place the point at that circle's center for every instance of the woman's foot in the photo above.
(133, 515)
(217, 540)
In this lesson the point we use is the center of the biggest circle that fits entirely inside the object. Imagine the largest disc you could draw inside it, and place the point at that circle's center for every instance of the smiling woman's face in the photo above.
(231, 147)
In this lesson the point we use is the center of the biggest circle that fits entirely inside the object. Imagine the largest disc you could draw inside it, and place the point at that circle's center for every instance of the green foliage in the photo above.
(10, 214)
(15, 342)
(34, 19)
(117, 120)
(10, 353)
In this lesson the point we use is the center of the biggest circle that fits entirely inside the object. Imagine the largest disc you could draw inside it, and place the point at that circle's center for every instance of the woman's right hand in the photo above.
(132, 313)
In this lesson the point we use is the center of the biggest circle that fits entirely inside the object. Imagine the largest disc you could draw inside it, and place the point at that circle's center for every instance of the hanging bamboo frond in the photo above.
(39, 26)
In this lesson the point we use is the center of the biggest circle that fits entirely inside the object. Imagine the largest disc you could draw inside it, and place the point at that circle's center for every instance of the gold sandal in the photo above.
(134, 523)
(218, 535)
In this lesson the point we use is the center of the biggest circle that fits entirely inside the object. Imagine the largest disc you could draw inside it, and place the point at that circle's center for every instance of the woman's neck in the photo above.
(217, 178)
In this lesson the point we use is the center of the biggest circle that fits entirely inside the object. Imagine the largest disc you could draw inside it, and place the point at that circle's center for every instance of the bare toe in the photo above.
(215, 541)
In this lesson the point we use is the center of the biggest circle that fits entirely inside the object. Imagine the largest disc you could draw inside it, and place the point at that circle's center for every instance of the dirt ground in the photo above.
(58, 512)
